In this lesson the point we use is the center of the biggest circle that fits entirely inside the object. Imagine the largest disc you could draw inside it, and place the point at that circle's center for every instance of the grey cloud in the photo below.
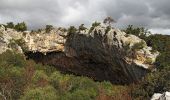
(152, 14)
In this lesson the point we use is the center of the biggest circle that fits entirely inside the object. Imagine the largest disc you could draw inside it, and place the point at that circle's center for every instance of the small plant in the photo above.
(10, 25)
(48, 28)
(81, 27)
(72, 30)
(108, 28)
(95, 24)
(149, 61)
(139, 45)
(40, 93)
(108, 21)
(21, 27)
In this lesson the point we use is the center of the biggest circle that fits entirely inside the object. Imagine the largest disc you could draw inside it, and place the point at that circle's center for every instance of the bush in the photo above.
(21, 27)
(79, 95)
(12, 59)
(95, 24)
(40, 78)
(11, 74)
(71, 30)
(40, 93)
(81, 27)
(157, 82)
(10, 25)
(48, 28)
(108, 28)
(25, 80)
(138, 31)
(138, 46)
(159, 42)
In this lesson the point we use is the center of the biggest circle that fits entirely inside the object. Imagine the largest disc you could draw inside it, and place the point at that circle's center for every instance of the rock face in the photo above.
(7, 40)
(101, 53)
(46, 42)
(127, 57)
(159, 96)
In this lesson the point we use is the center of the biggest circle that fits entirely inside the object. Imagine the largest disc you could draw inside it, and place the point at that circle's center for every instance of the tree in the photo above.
(138, 31)
(48, 28)
(95, 24)
(21, 27)
(71, 30)
(81, 27)
(108, 21)
(10, 25)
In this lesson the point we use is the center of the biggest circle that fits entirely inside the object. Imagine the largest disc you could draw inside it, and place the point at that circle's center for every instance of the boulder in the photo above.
(159, 96)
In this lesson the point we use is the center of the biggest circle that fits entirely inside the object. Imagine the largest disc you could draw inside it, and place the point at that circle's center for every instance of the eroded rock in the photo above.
(159, 96)
(101, 54)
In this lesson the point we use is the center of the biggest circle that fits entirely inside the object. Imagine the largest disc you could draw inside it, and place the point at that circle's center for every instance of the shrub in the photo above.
(12, 58)
(95, 24)
(138, 31)
(149, 61)
(40, 78)
(21, 27)
(81, 27)
(108, 28)
(40, 93)
(138, 46)
(10, 25)
(71, 30)
(11, 74)
(79, 95)
(48, 28)
(157, 82)
(108, 21)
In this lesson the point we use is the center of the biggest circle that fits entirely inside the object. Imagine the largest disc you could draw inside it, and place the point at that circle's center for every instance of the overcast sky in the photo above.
(152, 14)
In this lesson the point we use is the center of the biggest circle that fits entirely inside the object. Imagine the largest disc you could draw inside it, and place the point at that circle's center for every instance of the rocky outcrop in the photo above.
(127, 56)
(8, 40)
(159, 96)
(102, 53)
(45, 42)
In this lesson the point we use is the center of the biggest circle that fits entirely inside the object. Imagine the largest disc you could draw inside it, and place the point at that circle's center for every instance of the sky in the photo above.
(151, 14)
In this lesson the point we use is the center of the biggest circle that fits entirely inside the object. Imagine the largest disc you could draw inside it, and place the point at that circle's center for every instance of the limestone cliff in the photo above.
(8, 40)
(101, 53)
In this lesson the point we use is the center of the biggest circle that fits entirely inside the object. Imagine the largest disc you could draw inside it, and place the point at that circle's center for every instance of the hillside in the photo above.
(81, 64)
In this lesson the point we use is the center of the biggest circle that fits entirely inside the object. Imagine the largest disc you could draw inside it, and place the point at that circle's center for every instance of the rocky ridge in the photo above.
(103, 55)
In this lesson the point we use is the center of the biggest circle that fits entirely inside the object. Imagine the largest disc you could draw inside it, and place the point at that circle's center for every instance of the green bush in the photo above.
(138, 31)
(10, 25)
(138, 46)
(80, 95)
(81, 27)
(48, 28)
(157, 82)
(21, 27)
(40, 78)
(27, 80)
(95, 24)
(40, 93)
(108, 28)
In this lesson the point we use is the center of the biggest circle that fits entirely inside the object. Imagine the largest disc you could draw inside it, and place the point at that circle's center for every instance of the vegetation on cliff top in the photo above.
(19, 26)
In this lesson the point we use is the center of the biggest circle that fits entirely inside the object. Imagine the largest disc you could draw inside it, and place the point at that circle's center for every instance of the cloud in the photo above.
(152, 14)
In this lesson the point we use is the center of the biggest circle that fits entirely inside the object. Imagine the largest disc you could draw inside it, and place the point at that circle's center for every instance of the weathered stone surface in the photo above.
(101, 54)
(159, 96)
(7, 40)
(114, 50)
(45, 42)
